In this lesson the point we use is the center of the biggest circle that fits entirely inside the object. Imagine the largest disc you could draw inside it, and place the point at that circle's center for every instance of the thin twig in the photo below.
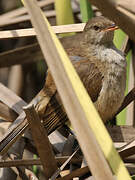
(31, 32)
(127, 100)
(31, 162)
(55, 175)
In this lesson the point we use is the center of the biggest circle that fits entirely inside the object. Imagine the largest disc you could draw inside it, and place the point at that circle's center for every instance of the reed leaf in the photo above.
(64, 14)
(86, 10)
(118, 40)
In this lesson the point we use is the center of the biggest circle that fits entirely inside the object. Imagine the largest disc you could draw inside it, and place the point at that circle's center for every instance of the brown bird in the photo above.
(101, 67)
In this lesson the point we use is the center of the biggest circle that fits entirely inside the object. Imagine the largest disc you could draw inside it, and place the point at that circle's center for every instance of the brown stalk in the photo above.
(127, 100)
(128, 5)
(30, 32)
(28, 53)
(23, 18)
(128, 150)
(11, 99)
(31, 162)
(15, 80)
(41, 140)
(23, 10)
(121, 133)
(7, 113)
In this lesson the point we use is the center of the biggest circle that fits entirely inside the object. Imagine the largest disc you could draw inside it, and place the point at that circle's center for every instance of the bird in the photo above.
(101, 68)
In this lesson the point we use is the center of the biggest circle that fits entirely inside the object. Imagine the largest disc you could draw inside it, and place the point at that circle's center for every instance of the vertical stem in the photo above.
(64, 14)
(86, 10)
(133, 62)
(118, 39)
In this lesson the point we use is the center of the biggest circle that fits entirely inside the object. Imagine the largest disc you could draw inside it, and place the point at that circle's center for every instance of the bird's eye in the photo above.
(96, 28)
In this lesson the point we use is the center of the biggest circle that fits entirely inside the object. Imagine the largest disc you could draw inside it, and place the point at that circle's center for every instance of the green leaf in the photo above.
(118, 41)
(64, 14)
(86, 10)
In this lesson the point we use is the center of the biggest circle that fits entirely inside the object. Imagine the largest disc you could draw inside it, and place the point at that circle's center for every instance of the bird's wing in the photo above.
(49, 106)
(90, 75)
(54, 114)
(89, 70)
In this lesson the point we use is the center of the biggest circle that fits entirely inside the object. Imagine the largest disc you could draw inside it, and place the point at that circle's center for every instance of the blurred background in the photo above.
(27, 77)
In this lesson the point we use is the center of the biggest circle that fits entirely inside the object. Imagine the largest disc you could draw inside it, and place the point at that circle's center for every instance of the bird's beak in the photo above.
(111, 28)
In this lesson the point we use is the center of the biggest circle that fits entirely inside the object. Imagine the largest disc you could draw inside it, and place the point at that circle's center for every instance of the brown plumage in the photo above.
(101, 67)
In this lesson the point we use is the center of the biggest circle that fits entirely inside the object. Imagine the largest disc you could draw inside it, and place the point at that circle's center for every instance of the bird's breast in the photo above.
(113, 88)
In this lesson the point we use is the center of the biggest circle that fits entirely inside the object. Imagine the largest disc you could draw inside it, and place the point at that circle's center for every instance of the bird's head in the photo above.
(99, 30)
